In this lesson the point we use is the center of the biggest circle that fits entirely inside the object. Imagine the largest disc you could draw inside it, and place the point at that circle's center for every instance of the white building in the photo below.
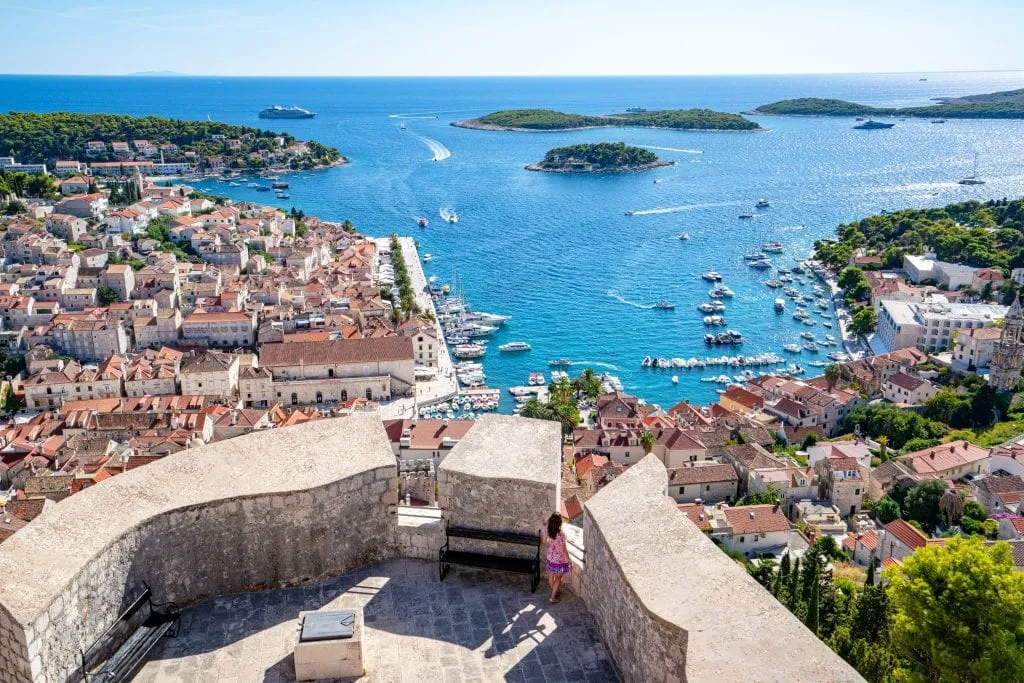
(908, 389)
(930, 326)
(973, 349)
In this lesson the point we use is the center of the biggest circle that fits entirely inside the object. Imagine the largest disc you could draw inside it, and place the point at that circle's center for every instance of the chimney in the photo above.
(931, 455)
(751, 514)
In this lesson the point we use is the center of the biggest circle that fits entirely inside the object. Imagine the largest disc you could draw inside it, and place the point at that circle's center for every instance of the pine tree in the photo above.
(781, 577)
(793, 590)
(812, 601)
(870, 580)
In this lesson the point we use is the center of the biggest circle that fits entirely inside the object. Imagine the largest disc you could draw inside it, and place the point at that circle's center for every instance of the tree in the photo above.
(983, 405)
(886, 510)
(922, 503)
(647, 441)
(958, 612)
(812, 601)
(951, 506)
(863, 320)
(809, 440)
(833, 373)
(107, 295)
(949, 407)
(770, 496)
(975, 521)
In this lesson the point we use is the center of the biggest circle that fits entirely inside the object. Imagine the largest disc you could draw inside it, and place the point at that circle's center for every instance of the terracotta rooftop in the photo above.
(337, 352)
(908, 535)
(750, 519)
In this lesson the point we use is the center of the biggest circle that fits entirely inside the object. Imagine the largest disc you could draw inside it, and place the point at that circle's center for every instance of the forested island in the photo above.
(548, 120)
(600, 157)
(45, 138)
(981, 234)
(999, 105)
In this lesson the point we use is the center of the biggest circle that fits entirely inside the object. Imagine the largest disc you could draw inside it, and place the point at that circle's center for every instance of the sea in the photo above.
(558, 252)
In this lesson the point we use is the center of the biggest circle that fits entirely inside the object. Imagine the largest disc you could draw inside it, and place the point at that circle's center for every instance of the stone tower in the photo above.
(1008, 355)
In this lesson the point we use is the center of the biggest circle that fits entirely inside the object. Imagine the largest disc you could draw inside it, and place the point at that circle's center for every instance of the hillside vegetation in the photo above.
(975, 233)
(1008, 105)
(547, 119)
(43, 138)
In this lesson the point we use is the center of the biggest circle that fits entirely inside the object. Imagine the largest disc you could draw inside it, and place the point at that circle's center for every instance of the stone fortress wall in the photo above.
(295, 505)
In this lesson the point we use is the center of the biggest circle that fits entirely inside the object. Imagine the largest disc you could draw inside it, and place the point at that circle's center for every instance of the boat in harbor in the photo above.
(282, 195)
(711, 307)
(714, 320)
(720, 291)
(762, 204)
(761, 264)
(427, 258)
(279, 185)
(513, 346)
(712, 276)
(422, 222)
(972, 179)
(938, 120)
(755, 256)
(792, 348)
(278, 112)
(780, 304)
(745, 216)
(560, 363)
(254, 185)
(665, 306)
(684, 235)
(772, 247)
(469, 351)
(449, 215)
(874, 125)
(773, 283)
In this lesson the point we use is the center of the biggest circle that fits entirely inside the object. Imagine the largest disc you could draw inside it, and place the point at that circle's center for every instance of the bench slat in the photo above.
(129, 656)
(518, 565)
(499, 536)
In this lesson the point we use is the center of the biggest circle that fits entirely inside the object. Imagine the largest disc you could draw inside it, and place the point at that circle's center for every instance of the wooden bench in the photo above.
(484, 560)
(160, 619)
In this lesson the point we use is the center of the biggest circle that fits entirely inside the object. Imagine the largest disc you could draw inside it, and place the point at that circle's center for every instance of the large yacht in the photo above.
(515, 346)
(279, 112)
(874, 125)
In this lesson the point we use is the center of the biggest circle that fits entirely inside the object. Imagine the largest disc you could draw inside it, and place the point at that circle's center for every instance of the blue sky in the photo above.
(506, 37)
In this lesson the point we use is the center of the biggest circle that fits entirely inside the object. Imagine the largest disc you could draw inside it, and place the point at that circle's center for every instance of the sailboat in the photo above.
(972, 179)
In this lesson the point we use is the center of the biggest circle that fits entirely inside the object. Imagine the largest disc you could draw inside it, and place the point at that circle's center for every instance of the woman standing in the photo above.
(557, 555)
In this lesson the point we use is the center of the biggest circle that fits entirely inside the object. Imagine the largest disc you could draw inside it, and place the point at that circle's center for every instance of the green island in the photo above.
(548, 120)
(600, 157)
(1007, 104)
(44, 138)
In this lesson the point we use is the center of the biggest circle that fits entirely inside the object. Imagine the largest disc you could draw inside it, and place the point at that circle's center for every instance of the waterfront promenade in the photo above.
(445, 386)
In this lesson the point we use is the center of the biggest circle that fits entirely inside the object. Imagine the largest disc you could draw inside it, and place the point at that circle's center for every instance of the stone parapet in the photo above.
(673, 607)
(504, 476)
(263, 510)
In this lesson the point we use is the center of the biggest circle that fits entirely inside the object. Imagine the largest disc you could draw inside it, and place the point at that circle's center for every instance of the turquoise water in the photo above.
(557, 252)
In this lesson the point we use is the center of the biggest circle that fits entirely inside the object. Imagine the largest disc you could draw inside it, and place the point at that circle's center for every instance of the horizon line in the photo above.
(158, 73)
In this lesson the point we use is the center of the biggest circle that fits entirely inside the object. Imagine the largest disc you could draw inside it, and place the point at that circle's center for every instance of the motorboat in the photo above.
(449, 215)
(665, 306)
(684, 235)
(714, 320)
(427, 258)
(807, 335)
(763, 264)
(792, 348)
(874, 125)
(423, 222)
(469, 351)
(780, 304)
(279, 185)
(772, 247)
(720, 291)
(560, 363)
(755, 256)
(762, 204)
(773, 283)
(745, 216)
(712, 276)
(515, 346)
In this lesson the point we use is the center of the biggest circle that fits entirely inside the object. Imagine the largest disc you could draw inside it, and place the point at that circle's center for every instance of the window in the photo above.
(856, 492)
(330, 372)
(369, 394)
(743, 539)
(708, 487)
(319, 397)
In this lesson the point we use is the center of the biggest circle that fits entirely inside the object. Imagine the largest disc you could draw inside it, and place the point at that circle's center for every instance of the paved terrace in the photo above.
(471, 627)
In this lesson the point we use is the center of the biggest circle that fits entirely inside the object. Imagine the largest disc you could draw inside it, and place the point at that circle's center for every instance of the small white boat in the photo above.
(772, 247)
(792, 348)
(780, 304)
(684, 235)
(675, 379)
(515, 346)
(712, 276)
(762, 204)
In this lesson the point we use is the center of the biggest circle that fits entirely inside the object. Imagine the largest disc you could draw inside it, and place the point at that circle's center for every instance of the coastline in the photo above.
(626, 169)
(475, 124)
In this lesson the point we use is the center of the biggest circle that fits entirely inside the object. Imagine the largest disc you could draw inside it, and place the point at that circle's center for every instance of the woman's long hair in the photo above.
(554, 525)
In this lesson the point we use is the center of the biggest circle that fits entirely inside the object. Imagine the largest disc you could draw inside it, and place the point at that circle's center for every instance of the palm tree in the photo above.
(647, 441)
(535, 409)
(951, 505)
(833, 373)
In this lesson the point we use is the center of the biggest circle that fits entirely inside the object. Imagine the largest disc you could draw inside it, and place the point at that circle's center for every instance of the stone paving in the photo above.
(474, 626)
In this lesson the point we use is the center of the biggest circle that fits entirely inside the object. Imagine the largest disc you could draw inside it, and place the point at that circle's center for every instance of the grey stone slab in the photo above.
(415, 631)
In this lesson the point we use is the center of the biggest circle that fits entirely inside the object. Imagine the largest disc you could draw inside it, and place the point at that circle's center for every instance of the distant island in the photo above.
(999, 105)
(531, 120)
(46, 138)
(600, 157)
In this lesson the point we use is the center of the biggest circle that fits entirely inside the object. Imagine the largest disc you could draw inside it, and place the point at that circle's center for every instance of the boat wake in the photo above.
(684, 207)
(673, 149)
(440, 151)
(615, 295)
(595, 364)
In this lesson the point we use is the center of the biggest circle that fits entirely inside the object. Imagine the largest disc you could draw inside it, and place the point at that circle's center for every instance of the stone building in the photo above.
(210, 373)
(1008, 355)
(708, 483)
(841, 481)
